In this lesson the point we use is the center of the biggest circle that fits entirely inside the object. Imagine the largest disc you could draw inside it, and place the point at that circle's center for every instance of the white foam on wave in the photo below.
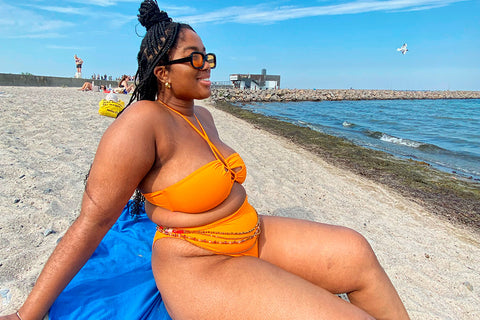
(405, 142)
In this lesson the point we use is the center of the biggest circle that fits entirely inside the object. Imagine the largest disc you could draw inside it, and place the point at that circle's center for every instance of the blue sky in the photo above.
(310, 44)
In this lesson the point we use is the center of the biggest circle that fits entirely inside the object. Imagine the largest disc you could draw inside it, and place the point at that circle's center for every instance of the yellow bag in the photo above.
(110, 108)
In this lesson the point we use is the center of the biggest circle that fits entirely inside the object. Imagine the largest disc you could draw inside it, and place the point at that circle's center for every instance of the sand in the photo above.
(48, 140)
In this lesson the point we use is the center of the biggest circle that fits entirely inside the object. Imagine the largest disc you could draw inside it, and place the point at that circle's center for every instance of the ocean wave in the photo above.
(403, 141)
(373, 134)
(382, 126)
(430, 147)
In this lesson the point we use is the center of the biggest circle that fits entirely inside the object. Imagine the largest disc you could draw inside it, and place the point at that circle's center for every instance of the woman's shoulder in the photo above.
(144, 112)
(206, 118)
(204, 113)
(140, 120)
(142, 107)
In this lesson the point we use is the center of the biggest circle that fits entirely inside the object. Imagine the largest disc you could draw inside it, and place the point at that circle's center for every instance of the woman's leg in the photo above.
(335, 258)
(86, 86)
(196, 284)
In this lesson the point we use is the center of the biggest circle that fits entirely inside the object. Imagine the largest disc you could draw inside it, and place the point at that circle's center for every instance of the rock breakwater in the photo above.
(282, 95)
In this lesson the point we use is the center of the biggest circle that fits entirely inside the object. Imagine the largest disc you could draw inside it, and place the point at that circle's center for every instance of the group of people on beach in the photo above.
(100, 77)
(123, 86)
(213, 255)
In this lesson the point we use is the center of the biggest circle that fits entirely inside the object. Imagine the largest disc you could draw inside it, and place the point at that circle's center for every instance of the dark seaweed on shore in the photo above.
(445, 195)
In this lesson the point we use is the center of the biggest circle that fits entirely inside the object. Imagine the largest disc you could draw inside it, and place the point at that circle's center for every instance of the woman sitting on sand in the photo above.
(123, 84)
(213, 257)
(87, 86)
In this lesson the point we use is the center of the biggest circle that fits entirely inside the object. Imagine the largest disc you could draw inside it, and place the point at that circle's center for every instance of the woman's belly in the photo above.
(164, 217)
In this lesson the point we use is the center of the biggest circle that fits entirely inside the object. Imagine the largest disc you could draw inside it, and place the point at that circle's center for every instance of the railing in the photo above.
(222, 84)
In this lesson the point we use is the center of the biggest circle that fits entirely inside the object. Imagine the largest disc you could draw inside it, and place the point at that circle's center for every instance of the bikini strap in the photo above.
(203, 134)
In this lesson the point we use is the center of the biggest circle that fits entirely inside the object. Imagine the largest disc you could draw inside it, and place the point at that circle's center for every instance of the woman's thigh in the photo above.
(332, 257)
(197, 285)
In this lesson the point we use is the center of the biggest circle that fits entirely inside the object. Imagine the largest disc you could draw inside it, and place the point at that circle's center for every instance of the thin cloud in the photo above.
(57, 47)
(29, 21)
(265, 14)
(64, 10)
(111, 18)
(20, 23)
(178, 10)
(109, 3)
(102, 3)
(46, 35)
(117, 20)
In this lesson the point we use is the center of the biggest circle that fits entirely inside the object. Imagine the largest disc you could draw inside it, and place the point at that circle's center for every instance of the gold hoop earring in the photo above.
(168, 85)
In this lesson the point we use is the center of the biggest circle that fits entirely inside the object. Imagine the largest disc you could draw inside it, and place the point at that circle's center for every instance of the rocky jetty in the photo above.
(283, 95)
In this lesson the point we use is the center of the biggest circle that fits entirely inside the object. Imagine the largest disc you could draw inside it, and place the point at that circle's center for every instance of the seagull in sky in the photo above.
(403, 49)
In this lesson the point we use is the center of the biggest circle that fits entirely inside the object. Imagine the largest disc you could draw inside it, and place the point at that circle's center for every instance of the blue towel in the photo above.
(117, 281)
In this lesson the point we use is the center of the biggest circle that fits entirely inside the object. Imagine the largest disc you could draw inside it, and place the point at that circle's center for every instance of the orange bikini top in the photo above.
(206, 187)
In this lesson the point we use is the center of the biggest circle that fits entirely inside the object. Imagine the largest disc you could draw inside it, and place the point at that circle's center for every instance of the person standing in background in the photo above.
(78, 64)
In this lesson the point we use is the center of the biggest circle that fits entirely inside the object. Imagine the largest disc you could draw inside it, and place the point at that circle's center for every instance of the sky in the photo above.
(319, 44)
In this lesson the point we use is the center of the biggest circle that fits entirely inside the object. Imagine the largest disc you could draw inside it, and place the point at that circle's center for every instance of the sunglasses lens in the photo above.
(212, 60)
(197, 60)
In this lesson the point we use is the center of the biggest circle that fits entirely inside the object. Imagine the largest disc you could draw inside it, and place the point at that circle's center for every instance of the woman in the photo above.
(87, 86)
(123, 84)
(78, 64)
(213, 257)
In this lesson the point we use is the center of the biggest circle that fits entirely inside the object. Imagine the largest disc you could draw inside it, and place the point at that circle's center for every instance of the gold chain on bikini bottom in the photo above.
(185, 234)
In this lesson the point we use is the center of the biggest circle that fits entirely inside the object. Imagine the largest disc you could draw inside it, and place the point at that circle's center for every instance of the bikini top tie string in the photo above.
(218, 155)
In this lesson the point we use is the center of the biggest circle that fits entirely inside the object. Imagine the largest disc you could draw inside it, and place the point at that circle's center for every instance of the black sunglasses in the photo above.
(197, 60)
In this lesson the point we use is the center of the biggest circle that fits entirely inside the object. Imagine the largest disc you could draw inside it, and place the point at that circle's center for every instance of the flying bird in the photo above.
(403, 49)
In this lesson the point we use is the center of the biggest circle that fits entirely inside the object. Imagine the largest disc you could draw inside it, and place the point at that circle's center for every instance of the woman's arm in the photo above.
(125, 155)
(67, 259)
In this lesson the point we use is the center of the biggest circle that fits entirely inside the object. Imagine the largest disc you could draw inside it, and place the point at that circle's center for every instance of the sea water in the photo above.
(443, 133)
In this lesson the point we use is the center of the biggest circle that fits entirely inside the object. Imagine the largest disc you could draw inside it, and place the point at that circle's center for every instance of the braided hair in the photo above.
(161, 37)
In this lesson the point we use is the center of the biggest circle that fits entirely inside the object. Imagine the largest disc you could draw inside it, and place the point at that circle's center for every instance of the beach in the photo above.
(48, 141)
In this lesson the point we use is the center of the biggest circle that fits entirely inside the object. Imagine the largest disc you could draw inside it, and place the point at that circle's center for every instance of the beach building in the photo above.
(261, 81)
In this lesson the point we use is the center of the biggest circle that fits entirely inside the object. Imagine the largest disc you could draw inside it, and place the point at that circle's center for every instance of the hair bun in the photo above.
(149, 14)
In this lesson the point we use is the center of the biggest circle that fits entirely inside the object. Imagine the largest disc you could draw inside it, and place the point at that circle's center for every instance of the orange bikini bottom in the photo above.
(234, 235)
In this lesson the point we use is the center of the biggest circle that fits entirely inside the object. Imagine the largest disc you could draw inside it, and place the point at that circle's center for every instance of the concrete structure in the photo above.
(28, 80)
(222, 84)
(285, 95)
(261, 81)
